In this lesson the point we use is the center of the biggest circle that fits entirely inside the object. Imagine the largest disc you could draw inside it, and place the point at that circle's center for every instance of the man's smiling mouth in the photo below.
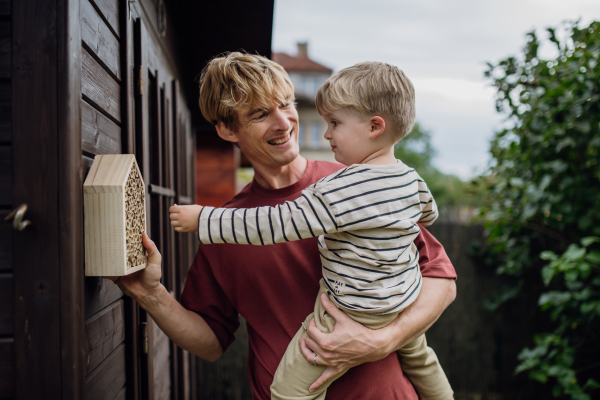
(281, 140)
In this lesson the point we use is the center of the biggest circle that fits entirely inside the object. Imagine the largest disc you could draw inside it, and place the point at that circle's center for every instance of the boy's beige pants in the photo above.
(294, 374)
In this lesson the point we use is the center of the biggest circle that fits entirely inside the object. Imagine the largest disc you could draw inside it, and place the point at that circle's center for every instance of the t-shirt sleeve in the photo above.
(203, 295)
(433, 260)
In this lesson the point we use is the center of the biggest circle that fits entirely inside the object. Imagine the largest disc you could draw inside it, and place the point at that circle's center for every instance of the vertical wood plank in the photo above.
(5, 7)
(36, 251)
(70, 199)
(5, 51)
(98, 38)
(6, 243)
(7, 369)
(7, 305)
(5, 175)
(99, 88)
(5, 112)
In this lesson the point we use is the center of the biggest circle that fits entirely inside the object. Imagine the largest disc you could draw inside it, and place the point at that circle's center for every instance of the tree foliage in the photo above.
(542, 198)
(416, 151)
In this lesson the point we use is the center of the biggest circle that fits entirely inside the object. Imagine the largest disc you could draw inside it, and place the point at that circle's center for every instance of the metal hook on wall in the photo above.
(18, 214)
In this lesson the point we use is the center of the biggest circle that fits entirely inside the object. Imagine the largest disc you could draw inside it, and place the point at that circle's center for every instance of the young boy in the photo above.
(365, 215)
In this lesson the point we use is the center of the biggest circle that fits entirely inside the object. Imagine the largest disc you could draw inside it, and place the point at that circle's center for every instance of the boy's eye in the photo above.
(334, 123)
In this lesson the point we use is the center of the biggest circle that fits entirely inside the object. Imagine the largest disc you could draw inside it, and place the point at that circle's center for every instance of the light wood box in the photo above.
(114, 201)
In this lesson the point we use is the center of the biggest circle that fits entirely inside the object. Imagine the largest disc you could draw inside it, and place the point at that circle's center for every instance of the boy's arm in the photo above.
(307, 216)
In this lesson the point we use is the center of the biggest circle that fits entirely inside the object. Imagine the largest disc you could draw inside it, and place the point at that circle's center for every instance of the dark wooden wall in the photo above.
(7, 305)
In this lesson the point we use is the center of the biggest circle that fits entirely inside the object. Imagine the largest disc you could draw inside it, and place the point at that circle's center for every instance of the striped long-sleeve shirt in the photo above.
(366, 219)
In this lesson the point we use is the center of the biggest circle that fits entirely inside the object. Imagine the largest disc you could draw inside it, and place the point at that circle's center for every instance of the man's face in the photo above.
(269, 136)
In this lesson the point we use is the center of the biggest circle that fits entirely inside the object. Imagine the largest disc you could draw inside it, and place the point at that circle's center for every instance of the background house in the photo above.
(307, 76)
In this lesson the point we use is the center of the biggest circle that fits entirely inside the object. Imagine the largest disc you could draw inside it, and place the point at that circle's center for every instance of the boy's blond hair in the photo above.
(238, 82)
(371, 88)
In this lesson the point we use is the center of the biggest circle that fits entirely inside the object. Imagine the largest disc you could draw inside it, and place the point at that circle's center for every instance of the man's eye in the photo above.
(285, 105)
(261, 115)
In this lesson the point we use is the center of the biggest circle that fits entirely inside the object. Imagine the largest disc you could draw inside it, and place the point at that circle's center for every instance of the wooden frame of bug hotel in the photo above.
(115, 216)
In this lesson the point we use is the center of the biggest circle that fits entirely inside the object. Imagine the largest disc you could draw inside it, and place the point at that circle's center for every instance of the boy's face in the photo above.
(348, 136)
(269, 136)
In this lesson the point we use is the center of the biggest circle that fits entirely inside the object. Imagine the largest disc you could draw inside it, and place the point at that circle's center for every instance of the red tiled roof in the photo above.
(299, 64)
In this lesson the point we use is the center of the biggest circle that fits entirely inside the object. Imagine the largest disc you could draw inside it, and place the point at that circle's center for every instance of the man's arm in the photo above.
(185, 328)
(351, 344)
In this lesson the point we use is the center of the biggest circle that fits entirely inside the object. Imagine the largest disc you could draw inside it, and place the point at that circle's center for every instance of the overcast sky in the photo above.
(441, 45)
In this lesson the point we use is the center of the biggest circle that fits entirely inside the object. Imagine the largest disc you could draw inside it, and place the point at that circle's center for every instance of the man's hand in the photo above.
(185, 218)
(350, 344)
(142, 284)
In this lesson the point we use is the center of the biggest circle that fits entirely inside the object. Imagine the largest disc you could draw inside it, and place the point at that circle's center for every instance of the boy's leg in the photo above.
(294, 374)
(422, 367)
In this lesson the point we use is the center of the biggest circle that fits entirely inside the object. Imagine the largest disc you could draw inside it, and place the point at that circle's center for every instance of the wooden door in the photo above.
(163, 140)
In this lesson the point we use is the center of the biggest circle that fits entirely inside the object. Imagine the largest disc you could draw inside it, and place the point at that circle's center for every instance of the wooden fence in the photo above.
(478, 349)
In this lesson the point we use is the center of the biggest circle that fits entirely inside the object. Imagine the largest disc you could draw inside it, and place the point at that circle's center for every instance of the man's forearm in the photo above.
(436, 294)
(185, 328)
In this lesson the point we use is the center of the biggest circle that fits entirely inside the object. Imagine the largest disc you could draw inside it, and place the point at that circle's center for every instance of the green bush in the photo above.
(542, 197)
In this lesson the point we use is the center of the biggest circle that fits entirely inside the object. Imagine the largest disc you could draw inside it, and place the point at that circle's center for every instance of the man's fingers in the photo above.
(325, 376)
(308, 354)
(314, 333)
(153, 254)
(331, 308)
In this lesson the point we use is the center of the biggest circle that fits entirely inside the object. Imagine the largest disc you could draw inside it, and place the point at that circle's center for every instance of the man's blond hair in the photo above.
(371, 88)
(236, 82)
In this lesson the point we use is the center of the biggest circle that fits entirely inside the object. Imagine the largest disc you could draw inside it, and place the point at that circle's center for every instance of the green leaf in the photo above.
(586, 241)
(593, 256)
(548, 255)
(538, 376)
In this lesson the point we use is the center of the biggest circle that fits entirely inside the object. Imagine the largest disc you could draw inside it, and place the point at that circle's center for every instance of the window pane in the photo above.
(316, 135)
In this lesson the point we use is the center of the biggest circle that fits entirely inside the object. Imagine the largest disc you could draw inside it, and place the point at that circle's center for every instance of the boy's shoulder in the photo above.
(362, 173)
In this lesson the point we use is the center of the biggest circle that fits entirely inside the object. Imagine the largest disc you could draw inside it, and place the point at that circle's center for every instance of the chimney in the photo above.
(302, 49)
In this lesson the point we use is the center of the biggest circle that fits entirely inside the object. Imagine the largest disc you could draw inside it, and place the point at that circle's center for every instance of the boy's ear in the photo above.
(225, 133)
(376, 126)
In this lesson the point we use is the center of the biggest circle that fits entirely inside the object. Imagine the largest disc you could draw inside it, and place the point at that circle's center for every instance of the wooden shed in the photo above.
(80, 78)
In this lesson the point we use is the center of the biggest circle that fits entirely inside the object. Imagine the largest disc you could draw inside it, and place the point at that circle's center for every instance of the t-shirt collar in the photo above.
(303, 182)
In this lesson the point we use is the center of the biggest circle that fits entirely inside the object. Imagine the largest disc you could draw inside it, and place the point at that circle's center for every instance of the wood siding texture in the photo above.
(99, 88)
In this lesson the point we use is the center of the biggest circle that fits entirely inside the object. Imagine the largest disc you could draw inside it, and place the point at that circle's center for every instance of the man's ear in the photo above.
(376, 126)
(225, 133)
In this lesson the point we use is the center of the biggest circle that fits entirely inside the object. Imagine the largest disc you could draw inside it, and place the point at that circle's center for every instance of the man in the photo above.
(249, 99)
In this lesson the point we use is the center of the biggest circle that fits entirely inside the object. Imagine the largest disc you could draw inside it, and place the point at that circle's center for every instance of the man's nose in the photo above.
(281, 122)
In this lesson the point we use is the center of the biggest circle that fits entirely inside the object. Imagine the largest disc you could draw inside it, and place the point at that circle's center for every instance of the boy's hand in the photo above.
(185, 218)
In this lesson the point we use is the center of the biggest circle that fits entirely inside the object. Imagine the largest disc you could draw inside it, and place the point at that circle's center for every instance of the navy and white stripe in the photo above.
(368, 217)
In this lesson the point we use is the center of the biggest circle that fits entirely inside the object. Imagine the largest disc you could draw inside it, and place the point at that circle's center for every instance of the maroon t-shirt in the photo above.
(274, 287)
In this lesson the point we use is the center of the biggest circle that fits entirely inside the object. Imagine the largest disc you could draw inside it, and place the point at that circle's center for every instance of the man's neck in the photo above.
(272, 177)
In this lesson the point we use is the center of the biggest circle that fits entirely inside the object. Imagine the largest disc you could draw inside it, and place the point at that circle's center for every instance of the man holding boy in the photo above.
(249, 99)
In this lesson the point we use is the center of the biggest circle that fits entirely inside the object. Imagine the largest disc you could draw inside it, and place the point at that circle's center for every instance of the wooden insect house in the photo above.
(115, 216)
